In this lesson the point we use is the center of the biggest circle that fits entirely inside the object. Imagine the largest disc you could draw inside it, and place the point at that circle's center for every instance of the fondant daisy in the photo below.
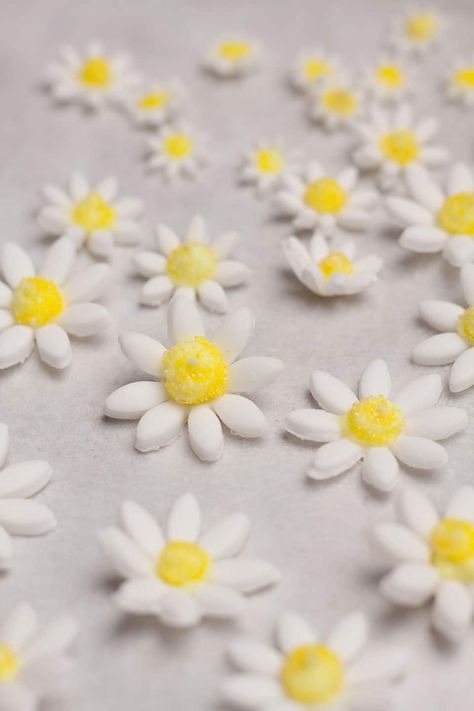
(45, 306)
(34, 661)
(90, 78)
(390, 142)
(460, 82)
(316, 200)
(265, 164)
(313, 66)
(437, 221)
(335, 104)
(331, 272)
(377, 428)
(416, 32)
(433, 558)
(311, 672)
(155, 103)
(183, 573)
(176, 151)
(93, 216)
(388, 80)
(192, 267)
(196, 380)
(233, 56)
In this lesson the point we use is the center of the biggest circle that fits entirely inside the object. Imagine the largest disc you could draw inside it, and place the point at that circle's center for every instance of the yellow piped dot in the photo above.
(96, 73)
(195, 372)
(340, 102)
(465, 325)
(401, 147)
(452, 549)
(421, 27)
(373, 422)
(93, 213)
(177, 146)
(191, 264)
(315, 69)
(155, 100)
(325, 195)
(335, 263)
(456, 216)
(269, 161)
(9, 664)
(312, 674)
(464, 78)
(390, 76)
(182, 563)
(235, 51)
(36, 302)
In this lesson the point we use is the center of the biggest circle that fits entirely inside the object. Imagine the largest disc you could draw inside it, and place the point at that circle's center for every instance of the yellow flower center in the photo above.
(155, 100)
(269, 160)
(177, 146)
(36, 302)
(312, 674)
(314, 69)
(464, 78)
(234, 51)
(182, 563)
(195, 372)
(465, 325)
(457, 214)
(390, 76)
(373, 422)
(93, 213)
(96, 73)
(191, 264)
(340, 101)
(400, 147)
(9, 664)
(335, 262)
(452, 549)
(325, 195)
(421, 26)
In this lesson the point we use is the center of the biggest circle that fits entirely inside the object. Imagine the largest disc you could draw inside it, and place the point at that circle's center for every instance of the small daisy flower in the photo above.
(233, 56)
(311, 672)
(193, 267)
(47, 305)
(90, 78)
(176, 151)
(433, 558)
(376, 428)
(335, 104)
(196, 380)
(437, 221)
(316, 200)
(328, 272)
(91, 216)
(34, 661)
(392, 141)
(265, 164)
(155, 103)
(388, 80)
(416, 32)
(460, 82)
(311, 67)
(183, 574)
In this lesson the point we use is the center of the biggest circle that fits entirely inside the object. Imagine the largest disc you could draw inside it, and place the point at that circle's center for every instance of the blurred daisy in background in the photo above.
(154, 103)
(416, 31)
(460, 82)
(337, 103)
(177, 150)
(312, 66)
(388, 80)
(264, 164)
(233, 55)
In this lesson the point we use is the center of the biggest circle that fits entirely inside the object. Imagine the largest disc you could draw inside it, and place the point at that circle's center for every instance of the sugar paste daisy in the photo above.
(192, 267)
(437, 221)
(265, 164)
(45, 306)
(331, 272)
(376, 428)
(335, 104)
(316, 200)
(392, 141)
(196, 380)
(154, 103)
(312, 66)
(460, 82)
(233, 56)
(416, 32)
(34, 661)
(93, 216)
(90, 78)
(177, 150)
(183, 574)
(311, 672)
(388, 80)
(433, 558)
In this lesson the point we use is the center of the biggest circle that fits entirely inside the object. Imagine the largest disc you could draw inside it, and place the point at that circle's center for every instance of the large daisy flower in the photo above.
(460, 82)
(154, 103)
(416, 31)
(376, 428)
(93, 216)
(34, 661)
(434, 220)
(310, 672)
(433, 557)
(387, 80)
(177, 150)
(183, 574)
(335, 104)
(315, 200)
(265, 164)
(312, 66)
(331, 272)
(47, 305)
(193, 267)
(233, 56)
(196, 380)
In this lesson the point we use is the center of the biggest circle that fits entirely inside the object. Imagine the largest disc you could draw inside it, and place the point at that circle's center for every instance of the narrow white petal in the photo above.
(241, 416)
(129, 207)
(337, 457)
(353, 219)
(467, 282)
(437, 423)
(157, 290)
(293, 631)
(149, 263)
(6, 319)
(407, 212)
(131, 401)
(245, 574)
(58, 261)
(313, 425)
(5, 296)
(423, 188)
(205, 433)
(380, 469)
(441, 315)
(349, 636)
(213, 297)
(460, 179)
(78, 186)
(85, 319)
(410, 584)
(16, 264)
(439, 350)
(231, 273)
(375, 380)
(398, 543)
(16, 697)
(234, 333)
(179, 609)
(226, 538)
(219, 601)
(144, 352)
(378, 667)
(55, 640)
(87, 284)
(225, 244)
(142, 528)
(184, 320)
(54, 346)
(24, 479)
(251, 656)
(22, 517)
(416, 512)
(250, 374)
(420, 394)
(124, 555)
(331, 393)
(462, 372)
(251, 691)
(461, 504)
(166, 239)
(159, 426)
(184, 521)
(197, 231)
(101, 243)
(452, 610)
(4, 443)
(107, 188)
(420, 453)
(140, 596)
(16, 344)
(19, 626)
(424, 239)
(459, 250)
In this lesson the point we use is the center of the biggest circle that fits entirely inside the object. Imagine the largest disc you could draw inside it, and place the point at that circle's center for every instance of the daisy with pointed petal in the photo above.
(460, 82)
(377, 429)
(154, 103)
(233, 56)
(336, 104)
(176, 150)
(311, 672)
(193, 267)
(47, 305)
(416, 32)
(312, 66)
(388, 80)
(196, 380)
(265, 164)
(183, 574)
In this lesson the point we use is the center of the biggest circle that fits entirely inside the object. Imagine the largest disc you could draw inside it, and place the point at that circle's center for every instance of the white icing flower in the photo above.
(233, 56)
(265, 164)
(315, 200)
(376, 428)
(90, 78)
(312, 66)
(388, 79)
(331, 272)
(460, 82)
(311, 672)
(392, 141)
(183, 574)
(47, 306)
(337, 103)
(154, 103)
(416, 32)
(93, 216)
(437, 221)
(194, 267)
(34, 661)
(176, 151)
(196, 380)
(433, 558)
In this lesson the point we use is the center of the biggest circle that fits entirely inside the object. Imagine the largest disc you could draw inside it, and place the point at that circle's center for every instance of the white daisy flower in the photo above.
(183, 574)
(265, 164)
(93, 216)
(154, 103)
(388, 80)
(34, 661)
(47, 305)
(433, 558)
(460, 82)
(233, 56)
(311, 672)
(196, 380)
(316, 200)
(177, 150)
(437, 221)
(313, 66)
(376, 428)
(331, 272)
(337, 103)
(192, 267)
(391, 141)
(416, 31)
(90, 78)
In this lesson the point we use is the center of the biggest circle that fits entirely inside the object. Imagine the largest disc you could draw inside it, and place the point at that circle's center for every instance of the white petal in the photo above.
(460, 179)
(234, 333)
(398, 544)
(85, 319)
(184, 521)
(378, 667)
(417, 512)
(423, 187)
(250, 374)
(4, 443)
(420, 453)
(437, 423)
(26, 518)
(179, 609)
(205, 433)
(462, 372)
(107, 188)
(19, 626)
(231, 273)
(184, 320)
(16, 344)
(225, 244)
(5, 295)
(157, 290)
(213, 297)
(459, 250)
(461, 504)
(331, 393)
(251, 691)
(6, 319)
(452, 610)
(349, 636)
(225, 539)
(408, 212)
(245, 574)
(159, 426)
(293, 631)
(129, 207)
(55, 640)
(219, 601)
(353, 219)
(101, 243)
(439, 350)
(131, 401)
(251, 656)
(467, 282)
(78, 186)
(334, 458)
(58, 261)
(420, 394)
(441, 315)
(380, 469)
(166, 239)
(124, 555)
(142, 528)
(197, 231)
(313, 425)
(241, 416)
(144, 352)
(149, 263)
(17, 697)
(424, 239)
(375, 380)
(16, 264)
(54, 346)
(87, 284)
(410, 584)
(140, 596)
(24, 478)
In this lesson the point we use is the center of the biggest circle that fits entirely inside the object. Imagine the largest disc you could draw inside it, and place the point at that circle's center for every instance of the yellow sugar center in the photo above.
(452, 549)
(195, 372)
(335, 262)
(234, 51)
(390, 76)
(269, 160)
(155, 100)
(96, 73)
(312, 674)
(457, 214)
(93, 213)
(182, 563)
(9, 664)
(325, 195)
(36, 302)
(465, 325)
(340, 101)
(373, 422)
(421, 26)
(191, 264)
(400, 147)
(464, 78)
(177, 146)
(314, 69)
